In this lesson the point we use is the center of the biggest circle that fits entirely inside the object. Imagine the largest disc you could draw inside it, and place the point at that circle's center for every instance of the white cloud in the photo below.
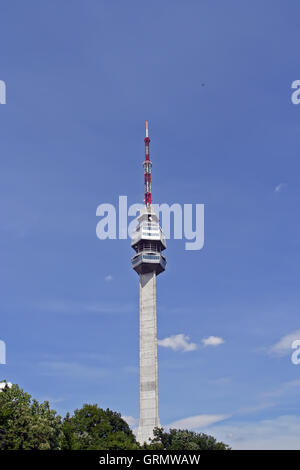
(182, 342)
(131, 421)
(212, 341)
(73, 370)
(53, 401)
(198, 421)
(279, 187)
(284, 345)
(284, 389)
(66, 306)
(177, 343)
(5, 384)
(256, 408)
(220, 381)
(279, 433)
(108, 278)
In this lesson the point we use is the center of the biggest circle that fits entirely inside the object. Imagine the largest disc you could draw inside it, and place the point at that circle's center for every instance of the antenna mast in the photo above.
(147, 170)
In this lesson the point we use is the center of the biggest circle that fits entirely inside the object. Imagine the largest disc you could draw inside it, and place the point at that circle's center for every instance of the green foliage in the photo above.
(25, 424)
(92, 428)
(177, 439)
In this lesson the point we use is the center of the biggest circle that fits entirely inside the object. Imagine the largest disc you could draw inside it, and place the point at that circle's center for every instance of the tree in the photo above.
(25, 424)
(92, 428)
(178, 439)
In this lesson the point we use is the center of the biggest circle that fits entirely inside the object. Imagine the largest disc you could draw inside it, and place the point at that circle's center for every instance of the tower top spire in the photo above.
(147, 130)
(147, 169)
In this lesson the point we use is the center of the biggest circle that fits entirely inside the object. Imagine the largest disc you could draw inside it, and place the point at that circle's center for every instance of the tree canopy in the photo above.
(26, 424)
(92, 428)
(178, 439)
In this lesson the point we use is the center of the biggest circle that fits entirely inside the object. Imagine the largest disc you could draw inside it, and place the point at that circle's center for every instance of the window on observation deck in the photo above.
(151, 257)
(148, 246)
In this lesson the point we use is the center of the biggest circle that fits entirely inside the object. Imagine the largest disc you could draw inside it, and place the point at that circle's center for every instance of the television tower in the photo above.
(148, 241)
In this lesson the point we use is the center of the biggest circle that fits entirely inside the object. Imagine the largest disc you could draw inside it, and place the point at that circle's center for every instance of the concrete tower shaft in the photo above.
(149, 418)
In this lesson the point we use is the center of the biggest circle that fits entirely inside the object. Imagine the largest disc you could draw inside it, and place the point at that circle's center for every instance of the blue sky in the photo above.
(214, 79)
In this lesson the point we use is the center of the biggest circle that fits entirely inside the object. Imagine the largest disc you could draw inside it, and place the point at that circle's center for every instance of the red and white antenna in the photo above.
(147, 169)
